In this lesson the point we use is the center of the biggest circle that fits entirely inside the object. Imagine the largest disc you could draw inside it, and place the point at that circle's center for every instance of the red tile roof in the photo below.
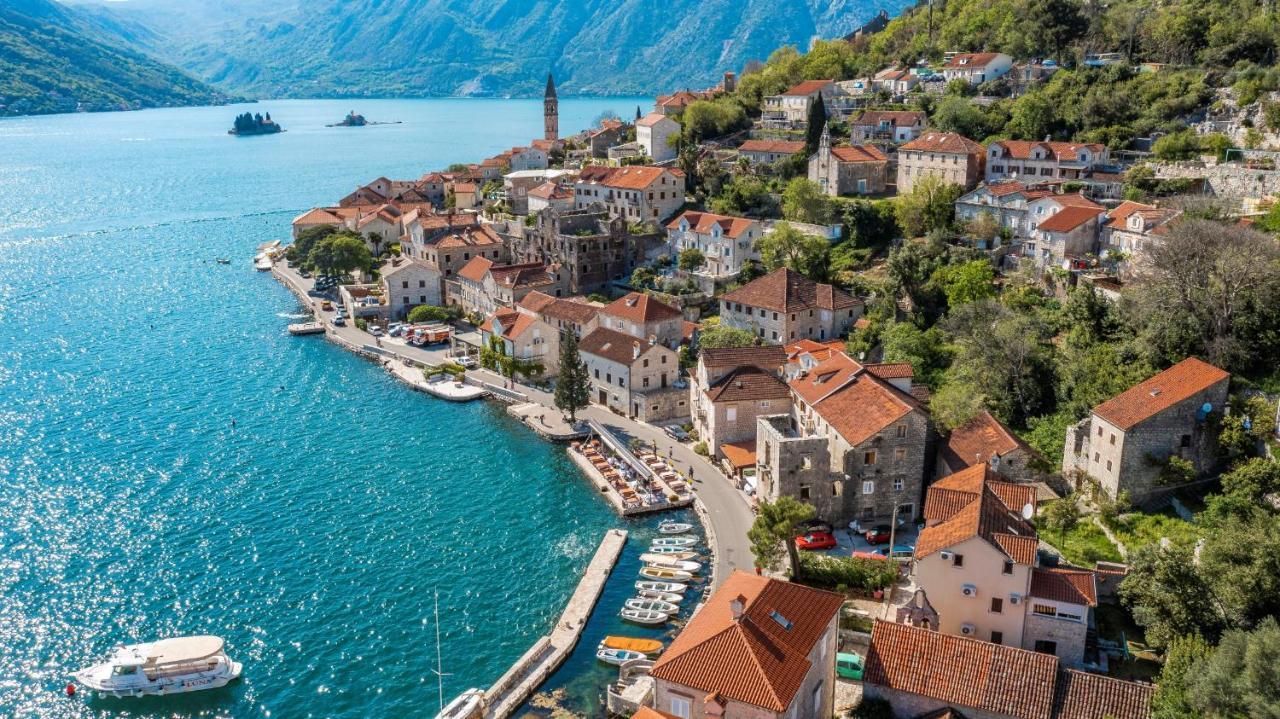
(769, 357)
(613, 345)
(1068, 219)
(652, 119)
(778, 147)
(632, 177)
(651, 713)
(1150, 397)
(1081, 695)
(748, 384)
(640, 308)
(858, 153)
(971, 59)
(980, 439)
(785, 290)
(702, 222)
(808, 87)
(1021, 149)
(962, 671)
(529, 274)
(756, 659)
(1072, 586)
(897, 118)
(854, 402)
(894, 370)
(536, 301)
(975, 503)
(944, 142)
(475, 269)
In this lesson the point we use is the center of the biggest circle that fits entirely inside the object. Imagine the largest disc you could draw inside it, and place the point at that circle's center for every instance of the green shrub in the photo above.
(856, 573)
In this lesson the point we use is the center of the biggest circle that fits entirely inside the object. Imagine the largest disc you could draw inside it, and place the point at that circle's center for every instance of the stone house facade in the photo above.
(767, 152)
(624, 370)
(895, 126)
(848, 170)
(636, 193)
(976, 68)
(733, 386)
(761, 622)
(592, 247)
(482, 287)
(1066, 231)
(645, 318)
(1033, 161)
(726, 242)
(1007, 203)
(1131, 229)
(953, 158)
(1127, 440)
(525, 337)
(790, 110)
(573, 314)
(986, 440)
(785, 306)
(411, 283)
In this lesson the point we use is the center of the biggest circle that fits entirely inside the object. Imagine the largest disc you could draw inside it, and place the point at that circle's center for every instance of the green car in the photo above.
(849, 666)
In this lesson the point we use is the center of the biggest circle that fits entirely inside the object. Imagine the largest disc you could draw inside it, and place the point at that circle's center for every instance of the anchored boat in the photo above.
(616, 657)
(668, 587)
(674, 527)
(651, 605)
(663, 574)
(673, 550)
(467, 705)
(167, 666)
(691, 567)
(665, 558)
(675, 541)
(644, 616)
(664, 596)
(634, 644)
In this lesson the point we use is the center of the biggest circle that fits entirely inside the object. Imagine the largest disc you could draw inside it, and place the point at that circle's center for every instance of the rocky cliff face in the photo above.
(472, 47)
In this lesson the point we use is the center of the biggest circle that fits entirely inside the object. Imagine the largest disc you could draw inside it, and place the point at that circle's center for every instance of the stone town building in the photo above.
(855, 445)
(759, 648)
(895, 80)
(318, 217)
(1126, 441)
(482, 287)
(547, 195)
(525, 337)
(1007, 203)
(767, 152)
(790, 110)
(896, 126)
(985, 440)
(848, 170)
(804, 355)
(976, 68)
(611, 131)
(924, 673)
(977, 562)
(408, 283)
(731, 388)
(726, 242)
(653, 133)
(517, 185)
(644, 317)
(1037, 161)
(636, 193)
(550, 112)
(955, 159)
(1066, 231)
(633, 376)
(593, 247)
(1131, 229)
(568, 314)
(784, 306)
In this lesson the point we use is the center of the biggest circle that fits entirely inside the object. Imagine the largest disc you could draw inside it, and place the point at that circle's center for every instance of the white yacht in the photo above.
(167, 666)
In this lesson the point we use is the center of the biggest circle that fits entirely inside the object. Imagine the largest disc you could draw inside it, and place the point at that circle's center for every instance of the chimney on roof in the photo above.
(635, 350)
(738, 606)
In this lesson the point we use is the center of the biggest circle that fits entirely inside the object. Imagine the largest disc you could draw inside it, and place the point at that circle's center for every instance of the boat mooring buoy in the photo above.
(71, 689)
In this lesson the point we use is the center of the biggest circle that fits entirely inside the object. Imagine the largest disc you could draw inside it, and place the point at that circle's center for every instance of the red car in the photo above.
(816, 540)
(878, 534)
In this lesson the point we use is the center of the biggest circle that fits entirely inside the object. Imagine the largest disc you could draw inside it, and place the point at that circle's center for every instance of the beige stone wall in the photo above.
(783, 328)
(964, 170)
(1069, 635)
(736, 421)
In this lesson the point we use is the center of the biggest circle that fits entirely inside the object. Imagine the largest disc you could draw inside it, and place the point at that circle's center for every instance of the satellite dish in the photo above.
(1028, 510)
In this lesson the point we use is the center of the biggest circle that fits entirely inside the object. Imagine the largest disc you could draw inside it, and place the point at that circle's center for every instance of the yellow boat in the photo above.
(644, 646)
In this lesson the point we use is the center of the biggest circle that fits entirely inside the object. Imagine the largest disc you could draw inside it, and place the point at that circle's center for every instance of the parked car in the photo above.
(815, 525)
(878, 534)
(816, 540)
(326, 305)
(304, 274)
(376, 331)
(467, 361)
(899, 552)
(674, 431)
(849, 666)
(340, 321)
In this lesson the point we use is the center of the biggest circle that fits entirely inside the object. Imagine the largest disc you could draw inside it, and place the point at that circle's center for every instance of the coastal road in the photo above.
(727, 510)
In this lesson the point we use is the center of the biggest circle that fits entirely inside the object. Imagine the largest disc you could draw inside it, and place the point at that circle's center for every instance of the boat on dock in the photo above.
(617, 657)
(467, 705)
(644, 616)
(667, 557)
(685, 541)
(651, 605)
(306, 328)
(633, 644)
(262, 263)
(674, 551)
(662, 596)
(674, 527)
(683, 566)
(668, 587)
(168, 666)
(664, 574)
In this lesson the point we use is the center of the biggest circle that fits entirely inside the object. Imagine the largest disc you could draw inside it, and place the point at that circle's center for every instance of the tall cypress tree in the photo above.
(813, 129)
(572, 387)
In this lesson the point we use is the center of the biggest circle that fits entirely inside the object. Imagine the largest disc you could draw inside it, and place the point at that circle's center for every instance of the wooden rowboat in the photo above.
(644, 616)
(661, 574)
(632, 644)
(668, 587)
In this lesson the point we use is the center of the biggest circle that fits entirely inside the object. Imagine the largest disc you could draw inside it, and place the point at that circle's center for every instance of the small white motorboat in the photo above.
(667, 557)
(643, 616)
(675, 541)
(667, 587)
(664, 574)
(262, 263)
(671, 550)
(674, 527)
(664, 596)
(467, 705)
(616, 657)
(167, 666)
(691, 567)
(651, 605)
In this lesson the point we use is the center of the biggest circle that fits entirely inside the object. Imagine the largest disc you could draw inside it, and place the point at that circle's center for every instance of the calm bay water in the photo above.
(172, 462)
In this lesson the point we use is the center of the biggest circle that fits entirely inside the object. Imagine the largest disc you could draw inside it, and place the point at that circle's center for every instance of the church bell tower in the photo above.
(550, 112)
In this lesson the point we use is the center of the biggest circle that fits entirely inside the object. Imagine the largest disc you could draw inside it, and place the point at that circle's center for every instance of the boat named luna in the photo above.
(167, 666)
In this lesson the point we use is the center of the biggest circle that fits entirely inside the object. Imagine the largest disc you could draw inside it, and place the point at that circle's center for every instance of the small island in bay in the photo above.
(356, 120)
(255, 124)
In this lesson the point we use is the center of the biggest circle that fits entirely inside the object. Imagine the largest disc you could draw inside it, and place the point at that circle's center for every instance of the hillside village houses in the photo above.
(546, 196)
(790, 110)
(653, 134)
(636, 193)
(482, 286)
(1066, 230)
(856, 445)
(784, 306)
(730, 388)
(987, 441)
(1032, 161)
(523, 336)
(1007, 203)
(895, 126)
(726, 242)
(1126, 441)
(894, 80)
(518, 184)
(953, 158)
(767, 152)
(408, 283)
(592, 246)
(847, 170)
(1132, 229)
(976, 68)
(759, 648)
(564, 314)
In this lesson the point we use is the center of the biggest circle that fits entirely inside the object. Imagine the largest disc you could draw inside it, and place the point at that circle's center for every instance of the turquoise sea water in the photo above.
(172, 462)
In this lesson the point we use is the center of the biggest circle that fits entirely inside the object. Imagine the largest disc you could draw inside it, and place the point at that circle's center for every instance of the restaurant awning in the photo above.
(740, 455)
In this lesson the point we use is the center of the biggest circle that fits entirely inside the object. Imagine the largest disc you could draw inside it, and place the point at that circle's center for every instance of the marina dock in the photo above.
(307, 328)
(548, 653)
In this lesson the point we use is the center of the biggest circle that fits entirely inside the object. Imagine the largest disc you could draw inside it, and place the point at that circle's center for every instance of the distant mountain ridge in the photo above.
(343, 48)
(53, 59)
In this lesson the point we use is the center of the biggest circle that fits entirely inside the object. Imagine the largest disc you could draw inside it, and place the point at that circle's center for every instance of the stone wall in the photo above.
(909, 706)
(790, 465)
(665, 405)
(1228, 180)
(1069, 635)
(901, 456)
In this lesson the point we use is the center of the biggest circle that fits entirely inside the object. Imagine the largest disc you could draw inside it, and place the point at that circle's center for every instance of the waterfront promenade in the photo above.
(724, 508)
